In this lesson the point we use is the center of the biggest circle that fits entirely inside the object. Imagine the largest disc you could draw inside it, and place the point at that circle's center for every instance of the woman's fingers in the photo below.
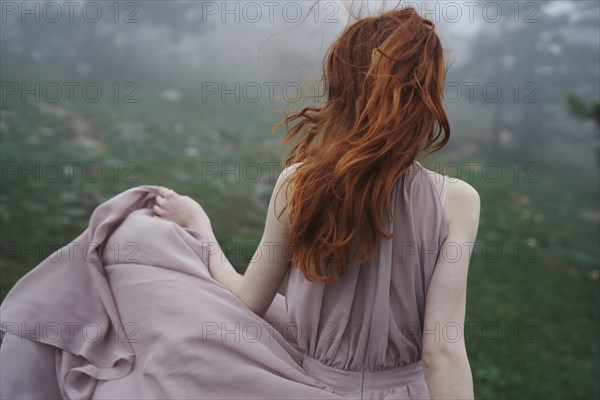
(161, 200)
(165, 192)
(158, 210)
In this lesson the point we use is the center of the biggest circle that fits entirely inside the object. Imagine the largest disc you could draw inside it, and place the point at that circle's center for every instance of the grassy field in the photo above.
(533, 301)
(533, 297)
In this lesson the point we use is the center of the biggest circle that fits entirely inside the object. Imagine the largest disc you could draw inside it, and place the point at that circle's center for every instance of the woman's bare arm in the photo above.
(186, 212)
(447, 369)
(267, 269)
(221, 269)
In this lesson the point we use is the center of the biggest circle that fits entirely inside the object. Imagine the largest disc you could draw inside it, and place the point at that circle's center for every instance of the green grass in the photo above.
(532, 312)
(541, 292)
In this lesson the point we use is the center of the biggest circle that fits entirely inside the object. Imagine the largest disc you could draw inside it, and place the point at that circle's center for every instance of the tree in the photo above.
(584, 111)
(535, 60)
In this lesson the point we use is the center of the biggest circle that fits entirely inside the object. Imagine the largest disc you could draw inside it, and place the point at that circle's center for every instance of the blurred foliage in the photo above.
(585, 111)
(581, 109)
(522, 70)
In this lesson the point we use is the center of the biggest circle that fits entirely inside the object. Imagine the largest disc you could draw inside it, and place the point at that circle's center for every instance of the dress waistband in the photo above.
(354, 380)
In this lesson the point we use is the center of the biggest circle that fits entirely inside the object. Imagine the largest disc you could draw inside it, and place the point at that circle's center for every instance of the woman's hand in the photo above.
(182, 210)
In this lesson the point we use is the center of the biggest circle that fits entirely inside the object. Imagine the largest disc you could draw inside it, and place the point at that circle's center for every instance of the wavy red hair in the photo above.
(383, 78)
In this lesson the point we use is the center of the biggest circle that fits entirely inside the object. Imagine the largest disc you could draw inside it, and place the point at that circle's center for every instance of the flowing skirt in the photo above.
(136, 315)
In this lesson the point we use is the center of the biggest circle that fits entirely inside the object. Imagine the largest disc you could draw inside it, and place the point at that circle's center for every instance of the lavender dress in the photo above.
(128, 310)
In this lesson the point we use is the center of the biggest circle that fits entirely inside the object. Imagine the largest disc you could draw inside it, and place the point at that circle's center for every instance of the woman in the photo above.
(367, 237)
(384, 79)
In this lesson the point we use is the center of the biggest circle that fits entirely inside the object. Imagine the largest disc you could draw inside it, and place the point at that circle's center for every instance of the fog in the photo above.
(98, 97)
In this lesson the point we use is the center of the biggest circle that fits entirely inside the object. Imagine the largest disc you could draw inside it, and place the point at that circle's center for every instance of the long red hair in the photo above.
(384, 78)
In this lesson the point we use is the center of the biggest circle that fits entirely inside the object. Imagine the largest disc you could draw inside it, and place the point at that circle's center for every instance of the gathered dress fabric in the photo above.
(129, 310)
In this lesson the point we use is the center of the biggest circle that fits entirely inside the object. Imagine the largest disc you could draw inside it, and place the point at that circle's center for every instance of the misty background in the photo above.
(98, 97)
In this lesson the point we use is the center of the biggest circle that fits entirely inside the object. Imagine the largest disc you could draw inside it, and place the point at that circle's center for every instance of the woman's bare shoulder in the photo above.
(458, 186)
(462, 199)
(462, 205)
(460, 191)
